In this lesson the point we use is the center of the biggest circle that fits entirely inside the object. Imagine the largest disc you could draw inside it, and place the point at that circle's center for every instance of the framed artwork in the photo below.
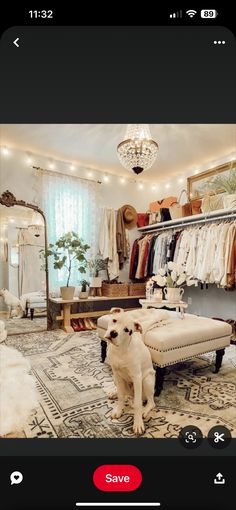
(201, 184)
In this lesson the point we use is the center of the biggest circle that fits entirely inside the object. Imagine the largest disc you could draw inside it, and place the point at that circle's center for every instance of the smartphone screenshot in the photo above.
(118, 258)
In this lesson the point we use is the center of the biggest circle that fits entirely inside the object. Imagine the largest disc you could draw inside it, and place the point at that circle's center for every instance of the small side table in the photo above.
(180, 306)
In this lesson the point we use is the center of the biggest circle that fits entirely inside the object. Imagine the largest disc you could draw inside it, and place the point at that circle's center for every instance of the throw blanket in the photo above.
(149, 319)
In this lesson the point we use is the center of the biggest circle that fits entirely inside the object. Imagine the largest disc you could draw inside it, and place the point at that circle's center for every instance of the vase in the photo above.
(174, 295)
(229, 201)
(157, 295)
(67, 293)
(84, 294)
(95, 281)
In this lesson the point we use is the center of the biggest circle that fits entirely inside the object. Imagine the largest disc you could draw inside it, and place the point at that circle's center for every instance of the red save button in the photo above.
(117, 478)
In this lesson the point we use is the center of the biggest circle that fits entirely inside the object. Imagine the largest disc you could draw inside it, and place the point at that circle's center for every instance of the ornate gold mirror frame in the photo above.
(9, 200)
(193, 182)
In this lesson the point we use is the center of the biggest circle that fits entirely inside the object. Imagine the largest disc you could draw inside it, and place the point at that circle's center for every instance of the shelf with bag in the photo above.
(220, 214)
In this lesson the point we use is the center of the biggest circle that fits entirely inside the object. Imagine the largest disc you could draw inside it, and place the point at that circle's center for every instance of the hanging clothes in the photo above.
(30, 274)
(207, 253)
(121, 239)
(107, 241)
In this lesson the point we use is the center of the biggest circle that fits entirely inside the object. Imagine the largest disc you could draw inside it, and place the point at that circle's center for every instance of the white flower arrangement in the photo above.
(172, 276)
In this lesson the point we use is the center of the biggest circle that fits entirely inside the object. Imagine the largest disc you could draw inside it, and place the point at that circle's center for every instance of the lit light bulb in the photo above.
(196, 172)
(106, 178)
(72, 167)
(51, 166)
(180, 180)
(140, 186)
(29, 160)
(154, 187)
(5, 151)
(122, 180)
(90, 174)
(11, 220)
(167, 185)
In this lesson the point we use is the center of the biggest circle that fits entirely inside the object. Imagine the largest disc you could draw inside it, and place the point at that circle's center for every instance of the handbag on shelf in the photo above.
(160, 204)
(154, 217)
(196, 206)
(179, 210)
(165, 214)
(212, 203)
(143, 220)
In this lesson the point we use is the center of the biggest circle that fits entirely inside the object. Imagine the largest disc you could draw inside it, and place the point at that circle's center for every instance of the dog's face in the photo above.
(120, 328)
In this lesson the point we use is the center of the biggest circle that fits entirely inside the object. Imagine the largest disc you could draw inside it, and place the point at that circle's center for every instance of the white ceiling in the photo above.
(182, 147)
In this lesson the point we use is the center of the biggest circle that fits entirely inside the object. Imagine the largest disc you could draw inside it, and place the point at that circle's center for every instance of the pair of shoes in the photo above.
(93, 325)
(77, 325)
(88, 324)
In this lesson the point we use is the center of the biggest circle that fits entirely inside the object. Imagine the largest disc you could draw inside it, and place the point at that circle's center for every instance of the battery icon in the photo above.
(209, 13)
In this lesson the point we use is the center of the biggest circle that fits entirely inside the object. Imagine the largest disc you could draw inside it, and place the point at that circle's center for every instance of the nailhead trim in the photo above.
(188, 345)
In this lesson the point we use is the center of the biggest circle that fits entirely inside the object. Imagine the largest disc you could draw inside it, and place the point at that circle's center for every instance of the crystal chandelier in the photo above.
(137, 151)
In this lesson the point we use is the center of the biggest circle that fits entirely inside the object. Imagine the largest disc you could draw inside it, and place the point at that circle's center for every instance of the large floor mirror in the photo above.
(23, 268)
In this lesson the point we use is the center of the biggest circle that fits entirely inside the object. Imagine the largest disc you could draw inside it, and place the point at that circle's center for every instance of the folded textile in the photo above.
(148, 319)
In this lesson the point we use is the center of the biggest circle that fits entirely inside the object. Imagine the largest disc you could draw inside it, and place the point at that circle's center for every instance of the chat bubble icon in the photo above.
(16, 477)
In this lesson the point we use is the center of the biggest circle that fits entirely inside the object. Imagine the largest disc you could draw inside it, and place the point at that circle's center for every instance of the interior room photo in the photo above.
(117, 280)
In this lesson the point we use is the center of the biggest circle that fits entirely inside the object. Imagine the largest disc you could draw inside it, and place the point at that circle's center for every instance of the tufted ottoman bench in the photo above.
(179, 340)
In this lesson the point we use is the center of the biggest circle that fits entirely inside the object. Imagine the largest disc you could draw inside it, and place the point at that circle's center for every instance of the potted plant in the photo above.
(95, 266)
(228, 184)
(84, 293)
(68, 251)
(172, 278)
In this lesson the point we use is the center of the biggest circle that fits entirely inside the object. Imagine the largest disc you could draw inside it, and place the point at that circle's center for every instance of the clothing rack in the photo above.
(220, 215)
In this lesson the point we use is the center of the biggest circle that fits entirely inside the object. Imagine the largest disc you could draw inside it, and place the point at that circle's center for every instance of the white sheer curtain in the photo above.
(70, 204)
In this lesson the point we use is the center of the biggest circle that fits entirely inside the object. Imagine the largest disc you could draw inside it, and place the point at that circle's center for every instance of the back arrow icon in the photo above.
(16, 42)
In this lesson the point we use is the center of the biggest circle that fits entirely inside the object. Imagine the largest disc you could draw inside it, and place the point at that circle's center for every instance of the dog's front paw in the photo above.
(117, 412)
(138, 426)
(112, 394)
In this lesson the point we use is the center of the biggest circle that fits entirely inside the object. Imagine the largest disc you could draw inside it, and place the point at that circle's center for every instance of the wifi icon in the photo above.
(191, 13)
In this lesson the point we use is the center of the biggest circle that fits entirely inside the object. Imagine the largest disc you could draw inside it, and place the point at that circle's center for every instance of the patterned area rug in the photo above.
(73, 385)
(17, 326)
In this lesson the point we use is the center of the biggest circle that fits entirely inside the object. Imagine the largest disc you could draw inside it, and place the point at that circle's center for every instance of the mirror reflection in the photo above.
(22, 272)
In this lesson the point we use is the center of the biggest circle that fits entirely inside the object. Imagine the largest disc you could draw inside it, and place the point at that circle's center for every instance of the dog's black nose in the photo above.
(113, 334)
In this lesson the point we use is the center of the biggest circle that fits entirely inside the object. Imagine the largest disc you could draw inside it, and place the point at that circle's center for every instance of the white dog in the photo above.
(131, 365)
(13, 304)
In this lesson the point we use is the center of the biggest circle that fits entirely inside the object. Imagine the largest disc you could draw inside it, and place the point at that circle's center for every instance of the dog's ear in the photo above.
(138, 327)
(116, 310)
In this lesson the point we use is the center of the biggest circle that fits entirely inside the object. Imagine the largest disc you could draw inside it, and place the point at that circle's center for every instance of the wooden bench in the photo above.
(103, 302)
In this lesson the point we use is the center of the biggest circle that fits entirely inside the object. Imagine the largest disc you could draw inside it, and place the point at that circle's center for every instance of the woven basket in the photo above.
(115, 289)
(137, 289)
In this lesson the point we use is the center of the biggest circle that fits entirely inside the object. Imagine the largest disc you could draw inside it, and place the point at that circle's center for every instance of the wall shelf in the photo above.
(220, 215)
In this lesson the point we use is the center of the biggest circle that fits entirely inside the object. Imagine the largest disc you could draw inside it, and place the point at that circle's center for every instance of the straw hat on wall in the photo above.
(130, 216)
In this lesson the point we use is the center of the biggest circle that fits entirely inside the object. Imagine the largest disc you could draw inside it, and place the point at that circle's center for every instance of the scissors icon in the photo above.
(218, 437)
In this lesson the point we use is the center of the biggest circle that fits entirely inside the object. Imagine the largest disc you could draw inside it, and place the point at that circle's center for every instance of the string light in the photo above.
(90, 174)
